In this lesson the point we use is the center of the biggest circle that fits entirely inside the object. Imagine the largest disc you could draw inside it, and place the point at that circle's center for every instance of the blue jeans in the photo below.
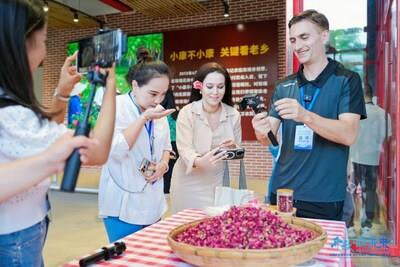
(24, 247)
(117, 229)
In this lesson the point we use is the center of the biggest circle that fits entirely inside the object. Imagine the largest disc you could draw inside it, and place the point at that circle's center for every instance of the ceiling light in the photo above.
(76, 12)
(76, 17)
(226, 8)
(45, 6)
(226, 14)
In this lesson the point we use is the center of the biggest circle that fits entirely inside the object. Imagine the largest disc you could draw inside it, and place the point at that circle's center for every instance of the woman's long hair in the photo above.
(19, 19)
(201, 74)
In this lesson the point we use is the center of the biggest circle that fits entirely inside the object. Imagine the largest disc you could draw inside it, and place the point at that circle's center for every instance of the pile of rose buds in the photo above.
(245, 228)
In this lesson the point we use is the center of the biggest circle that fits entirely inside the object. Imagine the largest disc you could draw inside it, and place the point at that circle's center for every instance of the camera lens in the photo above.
(240, 154)
(230, 155)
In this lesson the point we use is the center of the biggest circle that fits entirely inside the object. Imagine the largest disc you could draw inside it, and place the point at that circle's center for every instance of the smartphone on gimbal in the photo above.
(101, 50)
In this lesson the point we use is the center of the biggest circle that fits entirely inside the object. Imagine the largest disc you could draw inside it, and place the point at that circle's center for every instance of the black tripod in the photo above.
(73, 165)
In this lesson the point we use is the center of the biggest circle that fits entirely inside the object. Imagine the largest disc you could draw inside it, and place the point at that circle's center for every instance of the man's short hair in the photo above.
(312, 16)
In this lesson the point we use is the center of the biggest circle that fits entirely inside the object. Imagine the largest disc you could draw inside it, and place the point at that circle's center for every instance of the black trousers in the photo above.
(316, 210)
(366, 176)
(168, 174)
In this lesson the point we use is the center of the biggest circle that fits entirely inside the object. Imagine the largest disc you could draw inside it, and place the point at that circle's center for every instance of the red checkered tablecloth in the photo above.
(149, 246)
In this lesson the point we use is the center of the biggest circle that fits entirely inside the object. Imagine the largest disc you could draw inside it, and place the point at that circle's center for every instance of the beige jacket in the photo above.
(194, 135)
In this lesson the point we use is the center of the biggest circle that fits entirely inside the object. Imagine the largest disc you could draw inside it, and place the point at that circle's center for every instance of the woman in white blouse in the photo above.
(129, 199)
(208, 123)
(27, 129)
(28, 171)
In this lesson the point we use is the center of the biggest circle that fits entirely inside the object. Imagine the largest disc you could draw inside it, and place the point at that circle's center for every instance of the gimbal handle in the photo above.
(73, 164)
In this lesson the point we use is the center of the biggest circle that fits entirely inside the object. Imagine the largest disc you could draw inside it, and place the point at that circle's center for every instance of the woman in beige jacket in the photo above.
(208, 123)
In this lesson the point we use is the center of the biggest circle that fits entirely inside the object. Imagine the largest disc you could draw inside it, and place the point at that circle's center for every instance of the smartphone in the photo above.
(102, 50)
(232, 153)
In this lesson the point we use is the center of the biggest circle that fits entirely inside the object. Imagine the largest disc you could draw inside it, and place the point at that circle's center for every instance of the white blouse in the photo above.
(23, 134)
(123, 190)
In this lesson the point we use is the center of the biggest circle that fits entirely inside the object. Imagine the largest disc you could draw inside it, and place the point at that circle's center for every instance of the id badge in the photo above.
(303, 139)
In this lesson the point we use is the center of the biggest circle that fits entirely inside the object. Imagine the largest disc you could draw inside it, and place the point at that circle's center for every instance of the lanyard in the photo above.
(314, 98)
(148, 126)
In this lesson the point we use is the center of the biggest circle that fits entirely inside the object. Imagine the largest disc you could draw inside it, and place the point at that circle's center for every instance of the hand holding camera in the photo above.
(227, 150)
(255, 102)
(261, 123)
(228, 143)
(159, 169)
(210, 158)
(231, 150)
(153, 171)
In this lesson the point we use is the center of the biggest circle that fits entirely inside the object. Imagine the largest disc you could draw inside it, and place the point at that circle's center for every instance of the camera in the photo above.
(147, 167)
(232, 153)
(254, 101)
(101, 50)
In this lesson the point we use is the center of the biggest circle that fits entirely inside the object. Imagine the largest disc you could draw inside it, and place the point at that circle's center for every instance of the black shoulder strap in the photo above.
(5, 102)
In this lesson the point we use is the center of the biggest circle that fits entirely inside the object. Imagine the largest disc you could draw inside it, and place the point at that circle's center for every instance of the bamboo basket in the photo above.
(204, 256)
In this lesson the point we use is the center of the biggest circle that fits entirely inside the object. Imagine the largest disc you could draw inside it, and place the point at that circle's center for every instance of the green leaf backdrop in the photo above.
(153, 42)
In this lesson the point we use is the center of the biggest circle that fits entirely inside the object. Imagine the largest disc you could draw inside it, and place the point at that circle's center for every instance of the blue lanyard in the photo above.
(314, 98)
(148, 126)
(149, 129)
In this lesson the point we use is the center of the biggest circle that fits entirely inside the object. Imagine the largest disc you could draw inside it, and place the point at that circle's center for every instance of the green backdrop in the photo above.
(153, 42)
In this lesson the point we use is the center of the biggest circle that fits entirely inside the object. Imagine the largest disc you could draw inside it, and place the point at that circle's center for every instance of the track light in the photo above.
(76, 17)
(75, 11)
(45, 6)
(226, 8)
(226, 13)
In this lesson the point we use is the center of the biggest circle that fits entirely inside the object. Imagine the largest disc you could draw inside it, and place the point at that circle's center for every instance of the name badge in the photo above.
(303, 139)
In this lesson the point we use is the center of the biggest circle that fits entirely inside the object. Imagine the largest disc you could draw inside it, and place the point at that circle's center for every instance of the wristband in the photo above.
(61, 97)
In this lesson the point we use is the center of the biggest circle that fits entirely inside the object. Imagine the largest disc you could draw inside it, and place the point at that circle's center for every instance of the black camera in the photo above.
(147, 167)
(254, 101)
(100, 50)
(232, 153)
